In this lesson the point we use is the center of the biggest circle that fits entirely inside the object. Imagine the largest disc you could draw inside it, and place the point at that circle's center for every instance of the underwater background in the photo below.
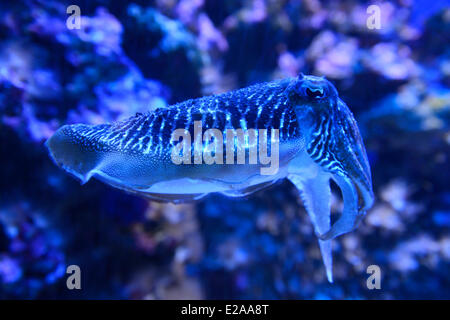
(130, 57)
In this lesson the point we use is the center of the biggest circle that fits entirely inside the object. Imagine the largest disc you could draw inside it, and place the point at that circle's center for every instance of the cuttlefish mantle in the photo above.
(318, 141)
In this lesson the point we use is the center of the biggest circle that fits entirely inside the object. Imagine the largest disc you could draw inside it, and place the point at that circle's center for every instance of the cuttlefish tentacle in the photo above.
(316, 196)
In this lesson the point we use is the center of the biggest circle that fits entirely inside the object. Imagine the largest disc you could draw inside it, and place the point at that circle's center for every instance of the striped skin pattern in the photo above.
(334, 138)
(151, 133)
(318, 138)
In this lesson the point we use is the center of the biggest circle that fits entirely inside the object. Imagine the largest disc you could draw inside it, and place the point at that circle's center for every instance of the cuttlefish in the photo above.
(318, 140)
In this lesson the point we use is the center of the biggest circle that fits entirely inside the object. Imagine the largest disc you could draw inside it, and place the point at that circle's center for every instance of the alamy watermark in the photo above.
(374, 20)
(74, 20)
(208, 147)
(374, 280)
(74, 279)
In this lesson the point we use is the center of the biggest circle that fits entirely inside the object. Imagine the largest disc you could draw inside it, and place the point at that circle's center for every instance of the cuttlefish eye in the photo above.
(315, 93)
(311, 89)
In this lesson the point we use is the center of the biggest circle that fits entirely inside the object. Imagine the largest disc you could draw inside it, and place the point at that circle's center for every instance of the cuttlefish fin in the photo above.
(316, 195)
(67, 151)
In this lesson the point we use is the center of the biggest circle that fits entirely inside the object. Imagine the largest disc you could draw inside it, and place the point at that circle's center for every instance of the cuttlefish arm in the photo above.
(315, 193)
(350, 170)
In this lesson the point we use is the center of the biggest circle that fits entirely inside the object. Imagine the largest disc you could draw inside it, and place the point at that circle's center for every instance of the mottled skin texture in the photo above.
(319, 141)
